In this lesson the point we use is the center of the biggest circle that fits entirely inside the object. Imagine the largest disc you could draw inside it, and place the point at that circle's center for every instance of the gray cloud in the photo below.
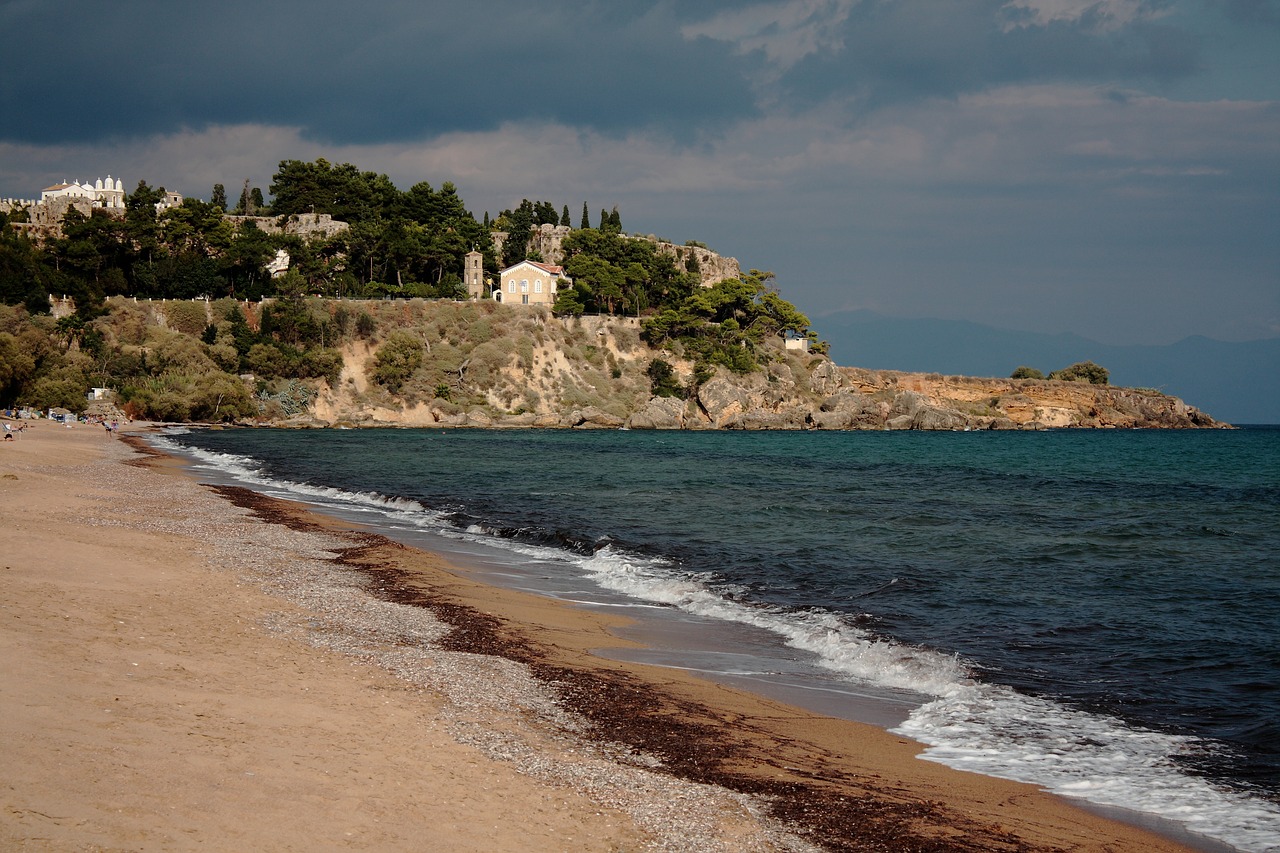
(913, 49)
(1108, 168)
(357, 72)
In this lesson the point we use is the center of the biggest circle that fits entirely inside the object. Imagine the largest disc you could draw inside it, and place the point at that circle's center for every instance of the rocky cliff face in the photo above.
(849, 398)
(548, 241)
(534, 370)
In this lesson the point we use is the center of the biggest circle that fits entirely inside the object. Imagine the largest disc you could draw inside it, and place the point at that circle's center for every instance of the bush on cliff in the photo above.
(397, 359)
(1083, 371)
(663, 381)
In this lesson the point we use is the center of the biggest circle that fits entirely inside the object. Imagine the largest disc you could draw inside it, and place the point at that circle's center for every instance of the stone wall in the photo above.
(44, 219)
(310, 226)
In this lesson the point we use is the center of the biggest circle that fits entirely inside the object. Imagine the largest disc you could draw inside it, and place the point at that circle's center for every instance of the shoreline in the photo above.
(504, 674)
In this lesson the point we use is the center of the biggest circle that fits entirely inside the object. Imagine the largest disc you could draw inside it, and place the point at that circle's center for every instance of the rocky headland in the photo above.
(531, 369)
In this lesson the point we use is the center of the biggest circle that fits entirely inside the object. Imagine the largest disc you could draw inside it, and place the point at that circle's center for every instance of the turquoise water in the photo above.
(1097, 612)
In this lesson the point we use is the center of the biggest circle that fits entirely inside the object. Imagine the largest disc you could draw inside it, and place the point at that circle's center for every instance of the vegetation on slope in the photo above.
(405, 244)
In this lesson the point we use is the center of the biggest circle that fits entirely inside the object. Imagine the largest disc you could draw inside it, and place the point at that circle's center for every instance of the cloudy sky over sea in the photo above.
(1107, 168)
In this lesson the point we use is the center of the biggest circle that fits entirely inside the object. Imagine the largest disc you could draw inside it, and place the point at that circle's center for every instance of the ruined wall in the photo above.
(548, 241)
(44, 219)
(712, 268)
(309, 226)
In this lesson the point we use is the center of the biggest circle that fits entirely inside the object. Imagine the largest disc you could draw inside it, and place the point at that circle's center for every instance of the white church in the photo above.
(108, 193)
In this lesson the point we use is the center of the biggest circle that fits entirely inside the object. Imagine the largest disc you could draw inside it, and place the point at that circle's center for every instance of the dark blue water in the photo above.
(1059, 597)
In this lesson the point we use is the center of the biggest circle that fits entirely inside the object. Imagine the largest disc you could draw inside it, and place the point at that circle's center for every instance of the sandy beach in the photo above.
(196, 667)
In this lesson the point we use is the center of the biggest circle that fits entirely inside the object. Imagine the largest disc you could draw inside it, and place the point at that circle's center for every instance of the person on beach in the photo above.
(8, 433)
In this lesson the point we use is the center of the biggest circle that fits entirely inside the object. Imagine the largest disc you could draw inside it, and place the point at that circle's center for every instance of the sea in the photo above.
(1094, 612)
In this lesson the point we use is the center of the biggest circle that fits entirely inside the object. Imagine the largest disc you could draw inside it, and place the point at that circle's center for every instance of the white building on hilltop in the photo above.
(107, 193)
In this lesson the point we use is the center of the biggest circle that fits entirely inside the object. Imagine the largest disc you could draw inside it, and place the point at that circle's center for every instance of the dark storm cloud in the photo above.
(914, 49)
(1106, 167)
(350, 73)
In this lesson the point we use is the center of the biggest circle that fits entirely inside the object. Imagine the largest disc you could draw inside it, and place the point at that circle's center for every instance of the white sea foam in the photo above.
(969, 724)
(839, 646)
(980, 727)
(249, 471)
(994, 730)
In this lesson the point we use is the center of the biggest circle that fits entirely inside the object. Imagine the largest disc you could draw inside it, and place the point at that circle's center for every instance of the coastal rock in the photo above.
(659, 413)
(524, 419)
(915, 411)
(934, 418)
(723, 400)
(830, 420)
(851, 409)
(764, 419)
(826, 378)
(593, 418)
(304, 422)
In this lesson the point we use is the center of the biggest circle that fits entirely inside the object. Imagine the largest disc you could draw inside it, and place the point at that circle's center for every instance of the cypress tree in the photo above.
(586, 221)
(219, 198)
(564, 216)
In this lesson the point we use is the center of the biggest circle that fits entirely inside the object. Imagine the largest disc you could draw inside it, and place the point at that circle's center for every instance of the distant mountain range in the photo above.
(1235, 382)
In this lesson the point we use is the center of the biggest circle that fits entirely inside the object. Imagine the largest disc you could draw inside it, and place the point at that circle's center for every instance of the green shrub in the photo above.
(662, 378)
(1083, 371)
(1024, 372)
(397, 359)
(190, 318)
(524, 349)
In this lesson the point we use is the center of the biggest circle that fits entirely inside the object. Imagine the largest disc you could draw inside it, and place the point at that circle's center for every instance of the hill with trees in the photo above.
(177, 312)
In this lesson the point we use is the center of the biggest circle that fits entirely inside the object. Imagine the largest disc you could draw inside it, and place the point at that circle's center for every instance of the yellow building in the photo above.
(529, 283)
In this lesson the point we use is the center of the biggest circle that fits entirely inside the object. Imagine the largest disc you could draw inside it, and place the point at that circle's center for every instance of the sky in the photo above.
(1107, 168)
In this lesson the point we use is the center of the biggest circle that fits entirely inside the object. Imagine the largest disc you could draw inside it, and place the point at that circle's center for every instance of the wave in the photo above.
(963, 721)
(981, 727)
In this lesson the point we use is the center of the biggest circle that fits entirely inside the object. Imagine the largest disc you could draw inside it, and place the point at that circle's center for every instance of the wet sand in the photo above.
(190, 666)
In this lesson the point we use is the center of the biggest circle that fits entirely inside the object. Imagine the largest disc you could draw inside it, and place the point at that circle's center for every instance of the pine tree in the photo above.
(219, 198)
(586, 220)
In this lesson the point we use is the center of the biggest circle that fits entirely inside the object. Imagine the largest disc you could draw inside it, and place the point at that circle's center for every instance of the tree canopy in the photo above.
(410, 243)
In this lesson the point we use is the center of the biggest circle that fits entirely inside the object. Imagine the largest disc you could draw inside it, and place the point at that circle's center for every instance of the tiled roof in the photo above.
(549, 268)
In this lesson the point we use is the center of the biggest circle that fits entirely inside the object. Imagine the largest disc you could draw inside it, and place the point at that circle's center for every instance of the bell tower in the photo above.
(473, 274)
